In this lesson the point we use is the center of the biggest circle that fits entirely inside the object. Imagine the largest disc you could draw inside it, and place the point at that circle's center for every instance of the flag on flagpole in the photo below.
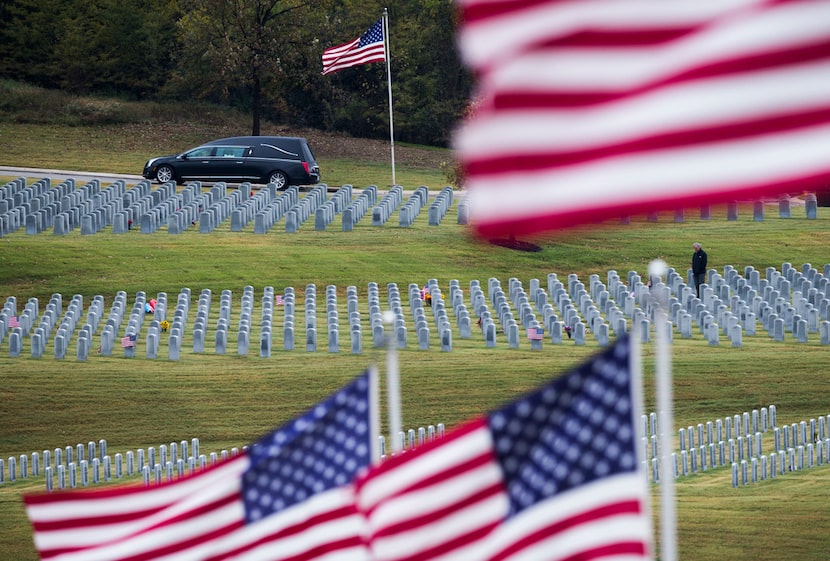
(588, 110)
(288, 493)
(551, 476)
(128, 341)
(369, 47)
(14, 321)
(535, 333)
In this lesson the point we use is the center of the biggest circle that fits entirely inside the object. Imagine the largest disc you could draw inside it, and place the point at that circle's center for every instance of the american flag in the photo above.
(535, 333)
(128, 341)
(286, 497)
(594, 109)
(14, 321)
(369, 47)
(279, 300)
(551, 476)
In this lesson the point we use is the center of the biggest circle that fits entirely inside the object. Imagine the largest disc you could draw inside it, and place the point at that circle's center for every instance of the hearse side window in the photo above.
(230, 151)
(202, 152)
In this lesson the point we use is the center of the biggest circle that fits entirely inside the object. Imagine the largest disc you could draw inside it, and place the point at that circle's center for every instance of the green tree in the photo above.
(30, 31)
(430, 83)
(261, 56)
(234, 49)
(120, 46)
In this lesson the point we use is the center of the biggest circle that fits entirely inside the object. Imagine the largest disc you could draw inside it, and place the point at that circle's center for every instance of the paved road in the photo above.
(64, 174)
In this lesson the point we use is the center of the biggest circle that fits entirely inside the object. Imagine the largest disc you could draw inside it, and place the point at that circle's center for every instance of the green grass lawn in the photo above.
(230, 400)
(124, 149)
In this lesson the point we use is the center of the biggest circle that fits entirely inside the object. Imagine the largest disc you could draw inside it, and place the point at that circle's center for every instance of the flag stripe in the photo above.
(139, 499)
(515, 89)
(173, 538)
(438, 499)
(327, 522)
(429, 482)
(617, 38)
(333, 53)
(431, 512)
(410, 467)
(745, 100)
(117, 518)
(587, 518)
(609, 513)
(531, 162)
(416, 513)
(93, 517)
(560, 84)
(706, 174)
(459, 532)
(497, 31)
(457, 544)
(592, 123)
(758, 44)
(374, 54)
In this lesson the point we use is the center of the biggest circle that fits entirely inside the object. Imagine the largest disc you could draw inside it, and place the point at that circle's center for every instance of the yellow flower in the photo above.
(165, 325)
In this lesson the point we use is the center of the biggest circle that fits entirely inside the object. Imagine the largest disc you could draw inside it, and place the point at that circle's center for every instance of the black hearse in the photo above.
(282, 160)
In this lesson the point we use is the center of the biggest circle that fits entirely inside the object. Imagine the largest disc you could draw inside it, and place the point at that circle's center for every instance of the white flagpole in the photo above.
(374, 413)
(668, 513)
(635, 365)
(393, 386)
(389, 87)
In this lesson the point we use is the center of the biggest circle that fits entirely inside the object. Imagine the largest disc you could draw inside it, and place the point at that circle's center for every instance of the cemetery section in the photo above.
(82, 465)
(738, 442)
(787, 305)
(95, 206)
(119, 208)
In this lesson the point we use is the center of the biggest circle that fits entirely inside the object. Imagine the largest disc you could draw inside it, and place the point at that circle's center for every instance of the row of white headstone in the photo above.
(87, 207)
(791, 301)
(40, 206)
(738, 442)
(83, 465)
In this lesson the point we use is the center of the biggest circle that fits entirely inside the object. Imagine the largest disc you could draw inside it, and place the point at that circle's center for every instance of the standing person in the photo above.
(698, 266)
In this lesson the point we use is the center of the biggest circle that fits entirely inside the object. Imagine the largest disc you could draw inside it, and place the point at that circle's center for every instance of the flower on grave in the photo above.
(165, 325)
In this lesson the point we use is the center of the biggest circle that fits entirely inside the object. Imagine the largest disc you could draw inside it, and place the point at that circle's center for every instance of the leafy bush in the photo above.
(95, 111)
(454, 172)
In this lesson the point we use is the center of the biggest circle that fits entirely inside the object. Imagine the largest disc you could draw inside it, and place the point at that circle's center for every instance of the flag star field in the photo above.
(574, 431)
(323, 449)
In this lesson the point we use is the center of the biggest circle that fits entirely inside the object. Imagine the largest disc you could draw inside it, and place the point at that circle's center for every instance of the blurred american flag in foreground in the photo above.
(588, 110)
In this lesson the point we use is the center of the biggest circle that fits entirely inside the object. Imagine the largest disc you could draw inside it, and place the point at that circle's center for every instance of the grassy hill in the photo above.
(61, 131)
(229, 400)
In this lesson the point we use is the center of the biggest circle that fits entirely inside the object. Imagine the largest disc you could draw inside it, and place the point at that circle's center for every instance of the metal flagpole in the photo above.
(374, 413)
(635, 365)
(389, 87)
(393, 385)
(668, 513)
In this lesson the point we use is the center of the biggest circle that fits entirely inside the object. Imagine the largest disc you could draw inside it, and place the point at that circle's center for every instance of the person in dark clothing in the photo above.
(698, 266)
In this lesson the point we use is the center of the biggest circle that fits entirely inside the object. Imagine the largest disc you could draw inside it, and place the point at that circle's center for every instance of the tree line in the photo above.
(260, 56)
